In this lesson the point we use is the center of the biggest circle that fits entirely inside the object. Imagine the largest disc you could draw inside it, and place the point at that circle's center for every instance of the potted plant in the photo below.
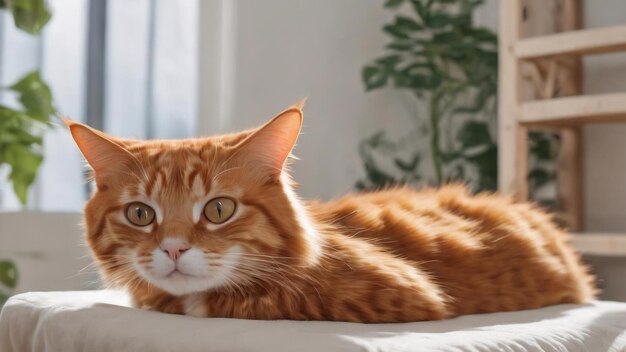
(451, 66)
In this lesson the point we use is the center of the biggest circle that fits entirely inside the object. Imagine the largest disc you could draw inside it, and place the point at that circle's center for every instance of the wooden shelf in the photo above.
(600, 244)
(577, 109)
(552, 62)
(579, 42)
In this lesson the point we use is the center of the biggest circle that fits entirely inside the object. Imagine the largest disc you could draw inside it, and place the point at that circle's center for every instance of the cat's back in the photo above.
(433, 214)
(488, 252)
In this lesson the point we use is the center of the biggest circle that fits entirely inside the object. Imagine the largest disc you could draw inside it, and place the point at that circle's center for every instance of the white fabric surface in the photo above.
(102, 321)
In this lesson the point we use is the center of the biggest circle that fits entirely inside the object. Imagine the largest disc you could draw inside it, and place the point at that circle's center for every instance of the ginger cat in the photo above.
(211, 227)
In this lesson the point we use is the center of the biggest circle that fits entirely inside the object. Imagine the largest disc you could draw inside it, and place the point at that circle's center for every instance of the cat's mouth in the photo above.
(177, 274)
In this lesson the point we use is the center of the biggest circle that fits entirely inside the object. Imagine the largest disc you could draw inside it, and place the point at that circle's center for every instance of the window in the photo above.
(145, 53)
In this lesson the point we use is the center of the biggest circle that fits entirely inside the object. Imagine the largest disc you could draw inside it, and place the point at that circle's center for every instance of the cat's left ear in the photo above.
(269, 147)
(105, 154)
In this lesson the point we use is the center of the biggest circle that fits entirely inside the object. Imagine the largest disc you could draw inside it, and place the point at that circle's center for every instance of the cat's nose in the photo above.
(174, 247)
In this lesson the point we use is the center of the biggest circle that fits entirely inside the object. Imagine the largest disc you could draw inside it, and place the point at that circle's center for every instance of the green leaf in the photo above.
(3, 298)
(360, 185)
(374, 77)
(392, 4)
(542, 145)
(440, 19)
(30, 15)
(35, 96)
(410, 166)
(396, 31)
(390, 60)
(447, 37)
(425, 82)
(8, 274)
(487, 165)
(401, 46)
(539, 177)
(419, 8)
(3, 4)
(17, 135)
(407, 24)
(481, 35)
(20, 148)
(378, 177)
(24, 162)
(473, 134)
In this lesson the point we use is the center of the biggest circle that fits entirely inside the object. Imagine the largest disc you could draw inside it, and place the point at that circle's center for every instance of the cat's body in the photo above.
(401, 255)
(391, 256)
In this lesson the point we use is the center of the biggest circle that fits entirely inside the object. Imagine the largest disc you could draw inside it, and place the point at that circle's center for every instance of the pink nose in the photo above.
(174, 248)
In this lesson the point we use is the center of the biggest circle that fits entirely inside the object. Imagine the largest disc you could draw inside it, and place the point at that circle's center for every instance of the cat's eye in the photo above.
(218, 210)
(139, 214)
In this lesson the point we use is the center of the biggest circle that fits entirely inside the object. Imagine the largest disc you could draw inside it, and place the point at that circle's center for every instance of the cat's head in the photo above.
(195, 214)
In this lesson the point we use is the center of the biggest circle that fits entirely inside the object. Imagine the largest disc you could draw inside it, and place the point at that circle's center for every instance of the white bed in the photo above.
(102, 321)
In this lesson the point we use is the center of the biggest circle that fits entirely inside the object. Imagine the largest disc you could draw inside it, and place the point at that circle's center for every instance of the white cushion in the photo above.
(102, 321)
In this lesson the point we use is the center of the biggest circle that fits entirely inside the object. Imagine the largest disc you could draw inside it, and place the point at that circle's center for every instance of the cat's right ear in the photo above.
(103, 153)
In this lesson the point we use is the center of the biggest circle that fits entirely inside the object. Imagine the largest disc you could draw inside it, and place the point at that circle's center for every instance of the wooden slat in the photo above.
(600, 244)
(568, 82)
(578, 109)
(569, 178)
(509, 95)
(579, 42)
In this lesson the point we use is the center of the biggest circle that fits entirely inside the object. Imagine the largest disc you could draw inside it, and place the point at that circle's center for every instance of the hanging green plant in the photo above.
(21, 131)
(22, 127)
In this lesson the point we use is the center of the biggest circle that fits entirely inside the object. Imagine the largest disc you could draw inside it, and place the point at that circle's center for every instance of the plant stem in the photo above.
(434, 135)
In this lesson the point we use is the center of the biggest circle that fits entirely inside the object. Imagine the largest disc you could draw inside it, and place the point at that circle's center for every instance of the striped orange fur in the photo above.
(396, 255)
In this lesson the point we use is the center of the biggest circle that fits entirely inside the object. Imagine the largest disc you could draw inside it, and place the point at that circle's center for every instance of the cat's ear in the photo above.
(269, 147)
(300, 104)
(103, 153)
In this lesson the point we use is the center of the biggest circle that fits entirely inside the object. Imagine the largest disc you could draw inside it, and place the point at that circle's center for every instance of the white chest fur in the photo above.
(194, 305)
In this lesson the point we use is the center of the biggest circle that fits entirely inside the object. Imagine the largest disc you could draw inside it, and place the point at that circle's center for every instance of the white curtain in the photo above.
(149, 90)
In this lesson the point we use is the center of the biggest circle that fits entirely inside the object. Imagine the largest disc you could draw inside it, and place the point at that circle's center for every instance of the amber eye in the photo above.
(219, 210)
(139, 214)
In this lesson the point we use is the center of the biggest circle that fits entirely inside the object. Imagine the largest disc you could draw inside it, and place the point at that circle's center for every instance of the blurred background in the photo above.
(400, 91)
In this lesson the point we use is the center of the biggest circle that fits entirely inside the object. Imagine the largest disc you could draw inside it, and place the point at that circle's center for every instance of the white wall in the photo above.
(604, 157)
(279, 51)
(258, 57)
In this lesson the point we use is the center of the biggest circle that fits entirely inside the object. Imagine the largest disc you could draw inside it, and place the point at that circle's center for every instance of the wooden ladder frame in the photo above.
(540, 87)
